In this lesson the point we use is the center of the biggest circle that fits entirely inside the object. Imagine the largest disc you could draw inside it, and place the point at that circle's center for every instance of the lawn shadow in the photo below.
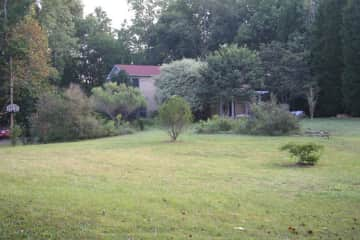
(292, 165)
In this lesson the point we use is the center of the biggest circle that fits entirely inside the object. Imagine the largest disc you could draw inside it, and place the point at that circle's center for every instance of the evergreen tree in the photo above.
(351, 40)
(327, 57)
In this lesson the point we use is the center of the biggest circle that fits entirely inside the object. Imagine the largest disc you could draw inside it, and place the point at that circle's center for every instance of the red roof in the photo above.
(140, 70)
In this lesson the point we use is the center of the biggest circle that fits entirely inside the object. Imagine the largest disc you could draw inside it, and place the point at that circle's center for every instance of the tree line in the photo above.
(308, 50)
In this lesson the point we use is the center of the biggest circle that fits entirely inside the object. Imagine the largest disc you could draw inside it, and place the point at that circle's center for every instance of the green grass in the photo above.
(204, 187)
(339, 127)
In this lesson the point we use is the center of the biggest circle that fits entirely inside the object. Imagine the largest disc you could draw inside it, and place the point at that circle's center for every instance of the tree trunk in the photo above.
(233, 109)
(312, 101)
(221, 110)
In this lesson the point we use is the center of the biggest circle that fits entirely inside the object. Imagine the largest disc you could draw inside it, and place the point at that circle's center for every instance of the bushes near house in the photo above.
(15, 134)
(113, 100)
(306, 154)
(270, 119)
(70, 116)
(64, 117)
(266, 119)
(218, 124)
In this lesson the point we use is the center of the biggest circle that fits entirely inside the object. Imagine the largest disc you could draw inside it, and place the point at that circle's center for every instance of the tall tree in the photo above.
(232, 72)
(11, 12)
(286, 70)
(147, 13)
(291, 19)
(351, 40)
(59, 18)
(112, 99)
(28, 45)
(261, 24)
(99, 50)
(181, 78)
(327, 56)
(175, 35)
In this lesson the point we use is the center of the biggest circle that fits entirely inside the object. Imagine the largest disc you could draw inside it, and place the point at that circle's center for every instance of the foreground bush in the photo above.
(64, 117)
(174, 116)
(265, 119)
(270, 119)
(306, 154)
(70, 116)
(15, 133)
(113, 100)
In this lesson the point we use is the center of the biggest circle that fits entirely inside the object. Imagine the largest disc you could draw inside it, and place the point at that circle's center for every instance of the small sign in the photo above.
(12, 108)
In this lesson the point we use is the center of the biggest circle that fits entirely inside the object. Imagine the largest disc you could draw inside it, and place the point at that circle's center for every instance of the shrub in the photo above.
(218, 124)
(174, 116)
(15, 133)
(111, 128)
(270, 119)
(306, 154)
(113, 100)
(64, 117)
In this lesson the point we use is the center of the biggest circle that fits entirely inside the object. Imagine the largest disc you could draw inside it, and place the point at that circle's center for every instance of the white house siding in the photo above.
(148, 89)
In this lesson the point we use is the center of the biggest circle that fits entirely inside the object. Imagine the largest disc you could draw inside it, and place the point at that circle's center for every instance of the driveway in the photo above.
(4, 142)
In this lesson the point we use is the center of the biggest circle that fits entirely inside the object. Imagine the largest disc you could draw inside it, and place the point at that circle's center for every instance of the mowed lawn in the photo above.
(204, 187)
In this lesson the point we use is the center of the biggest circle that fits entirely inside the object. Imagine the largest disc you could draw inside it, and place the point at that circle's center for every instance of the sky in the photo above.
(117, 10)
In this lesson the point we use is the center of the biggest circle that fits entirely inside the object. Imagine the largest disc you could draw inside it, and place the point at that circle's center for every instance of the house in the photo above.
(143, 77)
(239, 107)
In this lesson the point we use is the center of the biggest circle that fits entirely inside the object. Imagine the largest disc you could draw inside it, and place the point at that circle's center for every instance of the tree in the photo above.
(232, 72)
(261, 24)
(11, 12)
(286, 70)
(327, 56)
(64, 116)
(175, 35)
(147, 12)
(99, 50)
(175, 115)
(291, 19)
(312, 98)
(28, 46)
(351, 48)
(59, 19)
(113, 99)
(182, 78)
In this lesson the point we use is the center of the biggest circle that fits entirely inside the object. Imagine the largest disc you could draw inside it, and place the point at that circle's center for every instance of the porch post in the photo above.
(233, 108)
(221, 110)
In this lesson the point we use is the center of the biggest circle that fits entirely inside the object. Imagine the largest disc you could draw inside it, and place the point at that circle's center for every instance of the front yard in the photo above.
(203, 187)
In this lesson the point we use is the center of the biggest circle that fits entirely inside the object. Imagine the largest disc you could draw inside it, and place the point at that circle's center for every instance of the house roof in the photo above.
(139, 70)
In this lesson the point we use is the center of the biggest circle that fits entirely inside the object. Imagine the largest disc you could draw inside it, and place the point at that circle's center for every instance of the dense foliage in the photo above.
(306, 154)
(114, 100)
(182, 78)
(268, 119)
(271, 119)
(351, 50)
(174, 115)
(305, 52)
(64, 117)
(218, 124)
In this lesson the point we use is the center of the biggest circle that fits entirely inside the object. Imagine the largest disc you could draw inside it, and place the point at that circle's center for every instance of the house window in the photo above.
(135, 82)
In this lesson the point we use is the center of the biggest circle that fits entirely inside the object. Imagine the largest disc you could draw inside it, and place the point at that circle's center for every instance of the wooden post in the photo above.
(221, 110)
(11, 93)
(233, 109)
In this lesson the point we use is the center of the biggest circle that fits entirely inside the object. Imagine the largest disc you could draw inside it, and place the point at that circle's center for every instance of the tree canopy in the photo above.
(284, 46)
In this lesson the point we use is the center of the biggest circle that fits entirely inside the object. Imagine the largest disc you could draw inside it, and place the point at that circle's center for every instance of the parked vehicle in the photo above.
(4, 133)
(298, 114)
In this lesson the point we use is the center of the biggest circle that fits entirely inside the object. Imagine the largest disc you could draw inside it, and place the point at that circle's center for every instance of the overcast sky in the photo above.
(117, 10)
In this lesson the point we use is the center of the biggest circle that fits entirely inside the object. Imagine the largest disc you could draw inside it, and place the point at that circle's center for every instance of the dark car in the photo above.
(4, 133)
